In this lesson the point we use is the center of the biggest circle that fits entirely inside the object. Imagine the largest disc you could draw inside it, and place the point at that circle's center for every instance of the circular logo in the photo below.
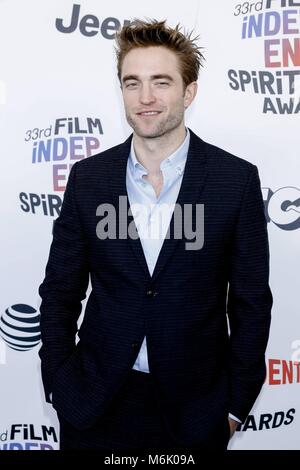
(20, 327)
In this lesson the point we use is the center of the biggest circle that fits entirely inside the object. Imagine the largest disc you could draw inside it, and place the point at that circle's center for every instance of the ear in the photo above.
(190, 93)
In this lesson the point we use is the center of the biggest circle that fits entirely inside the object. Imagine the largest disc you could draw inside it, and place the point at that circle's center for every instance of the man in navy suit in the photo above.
(171, 232)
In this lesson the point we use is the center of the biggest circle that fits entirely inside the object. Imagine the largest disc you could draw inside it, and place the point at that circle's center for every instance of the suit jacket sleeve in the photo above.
(249, 300)
(63, 288)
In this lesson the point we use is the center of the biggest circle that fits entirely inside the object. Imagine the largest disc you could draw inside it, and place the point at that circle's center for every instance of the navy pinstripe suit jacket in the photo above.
(200, 370)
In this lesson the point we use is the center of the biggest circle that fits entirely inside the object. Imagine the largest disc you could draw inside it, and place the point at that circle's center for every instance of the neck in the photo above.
(151, 152)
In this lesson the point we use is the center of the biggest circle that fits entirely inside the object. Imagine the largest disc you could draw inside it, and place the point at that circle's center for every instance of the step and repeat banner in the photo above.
(60, 102)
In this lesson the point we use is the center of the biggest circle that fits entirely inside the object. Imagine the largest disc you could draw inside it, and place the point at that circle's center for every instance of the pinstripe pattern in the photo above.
(199, 372)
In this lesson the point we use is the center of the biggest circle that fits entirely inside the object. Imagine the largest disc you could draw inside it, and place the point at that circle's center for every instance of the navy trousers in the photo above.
(132, 421)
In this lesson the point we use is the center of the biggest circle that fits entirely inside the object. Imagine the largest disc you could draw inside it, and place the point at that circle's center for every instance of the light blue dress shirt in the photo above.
(152, 214)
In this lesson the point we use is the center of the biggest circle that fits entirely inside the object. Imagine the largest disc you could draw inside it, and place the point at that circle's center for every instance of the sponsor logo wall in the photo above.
(60, 102)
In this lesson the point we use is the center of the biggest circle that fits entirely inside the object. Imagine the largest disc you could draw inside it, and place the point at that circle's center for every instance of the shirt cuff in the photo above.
(234, 418)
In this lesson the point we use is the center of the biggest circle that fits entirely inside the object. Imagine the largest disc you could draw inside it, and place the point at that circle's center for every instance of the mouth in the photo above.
(148, 113)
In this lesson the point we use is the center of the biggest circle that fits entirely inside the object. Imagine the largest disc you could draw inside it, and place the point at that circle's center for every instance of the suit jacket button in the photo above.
(135, 345)
(151, 293)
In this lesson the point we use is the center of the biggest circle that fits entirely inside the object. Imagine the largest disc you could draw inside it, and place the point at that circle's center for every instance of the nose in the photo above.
(146, 94)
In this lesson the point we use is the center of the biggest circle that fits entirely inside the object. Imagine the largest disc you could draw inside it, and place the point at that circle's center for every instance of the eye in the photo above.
(162, 83)
(131, 85)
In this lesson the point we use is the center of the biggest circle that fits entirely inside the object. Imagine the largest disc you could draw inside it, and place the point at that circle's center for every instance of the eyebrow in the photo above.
(153, 77)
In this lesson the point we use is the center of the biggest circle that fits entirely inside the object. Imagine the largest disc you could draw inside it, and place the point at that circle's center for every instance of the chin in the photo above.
(149, 133)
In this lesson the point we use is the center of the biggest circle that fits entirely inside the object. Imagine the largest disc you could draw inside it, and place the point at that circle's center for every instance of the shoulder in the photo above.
(223, 164)
(101, 159)
(222, 158)
(229, 166)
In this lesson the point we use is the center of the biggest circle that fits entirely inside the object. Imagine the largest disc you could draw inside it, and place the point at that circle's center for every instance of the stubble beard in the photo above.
(160, 129)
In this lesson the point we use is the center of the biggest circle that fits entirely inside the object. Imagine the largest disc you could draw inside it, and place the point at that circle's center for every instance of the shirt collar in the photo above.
(175, 161)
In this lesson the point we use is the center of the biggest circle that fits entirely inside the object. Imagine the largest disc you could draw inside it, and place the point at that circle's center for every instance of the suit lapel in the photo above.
(118, 188)
(191, 187)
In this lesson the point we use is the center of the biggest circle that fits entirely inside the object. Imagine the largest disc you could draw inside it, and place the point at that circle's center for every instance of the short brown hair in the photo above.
(141, 33)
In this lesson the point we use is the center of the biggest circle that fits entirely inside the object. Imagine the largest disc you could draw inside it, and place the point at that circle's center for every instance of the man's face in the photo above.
(153, 91)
